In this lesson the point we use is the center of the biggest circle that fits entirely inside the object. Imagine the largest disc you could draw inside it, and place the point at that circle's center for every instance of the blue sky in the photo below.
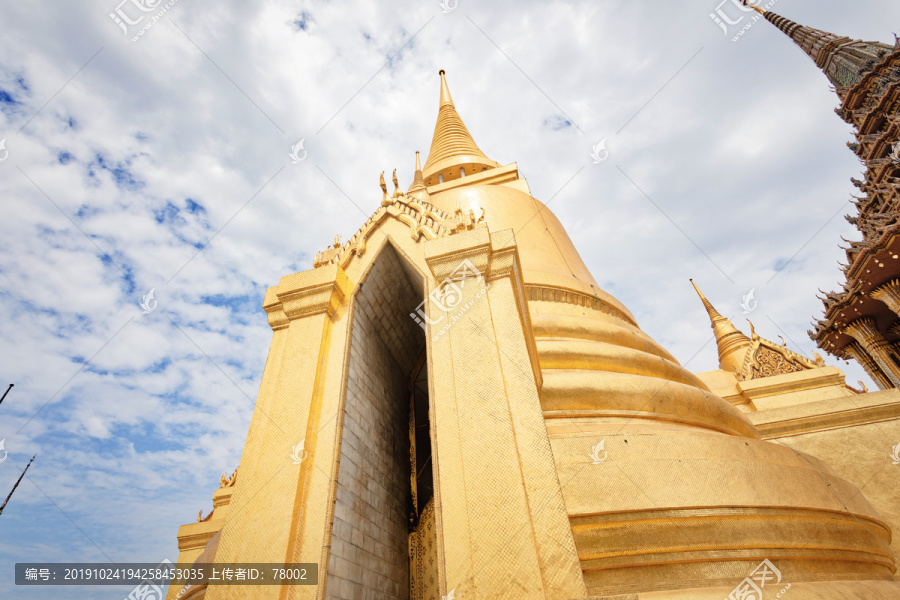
(163, 164)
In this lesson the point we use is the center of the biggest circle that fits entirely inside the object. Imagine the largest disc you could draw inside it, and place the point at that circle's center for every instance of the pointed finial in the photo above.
(417, 189)
(758, 9)
(696, 289)
(397, 192)
(706, 304)
(453, 152)
(732, 344)
(753, 334)
(445, 91)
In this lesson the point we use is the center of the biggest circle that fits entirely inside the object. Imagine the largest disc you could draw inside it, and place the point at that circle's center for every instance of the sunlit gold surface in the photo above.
(573, 455)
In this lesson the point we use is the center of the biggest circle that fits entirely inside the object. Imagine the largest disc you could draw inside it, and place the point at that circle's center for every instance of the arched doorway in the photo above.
(383, 541)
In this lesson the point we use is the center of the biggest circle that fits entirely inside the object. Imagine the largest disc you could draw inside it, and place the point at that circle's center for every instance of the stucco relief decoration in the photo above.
(767, 359)
(424, 220)
(226, 481)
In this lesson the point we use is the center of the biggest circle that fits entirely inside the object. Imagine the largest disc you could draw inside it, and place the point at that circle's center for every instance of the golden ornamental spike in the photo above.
(397, 192)
(731, 342)
(385, 199)
(417, 189)
(445, 90)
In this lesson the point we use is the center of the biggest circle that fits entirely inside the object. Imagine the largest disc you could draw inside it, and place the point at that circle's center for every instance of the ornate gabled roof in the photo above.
(767, 359)
(425, 221)
(452, 147)
(753, 358)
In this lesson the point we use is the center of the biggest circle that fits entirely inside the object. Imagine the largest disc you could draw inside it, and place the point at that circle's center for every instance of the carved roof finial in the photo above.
(397, 192)
(385, 199)
(753, 335)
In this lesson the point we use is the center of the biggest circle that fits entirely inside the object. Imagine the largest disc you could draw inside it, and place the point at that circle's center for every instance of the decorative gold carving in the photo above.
(856, 351)
(423, 556)
(768, 363)
(866, 332)
(385, 199)
(889, 293)
(462, 220)
(423, 219)
(397, 192)
(767, 359)
(225, 481)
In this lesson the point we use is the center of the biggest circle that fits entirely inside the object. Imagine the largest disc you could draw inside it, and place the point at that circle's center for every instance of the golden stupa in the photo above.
(452, 408)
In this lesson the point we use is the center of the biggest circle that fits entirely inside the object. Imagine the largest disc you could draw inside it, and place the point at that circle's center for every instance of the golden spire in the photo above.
(418, 190)
(453, 152)
(732, 343)
(445, 91)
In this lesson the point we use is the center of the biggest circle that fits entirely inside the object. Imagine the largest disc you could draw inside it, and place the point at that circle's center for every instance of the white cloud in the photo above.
(741, 150)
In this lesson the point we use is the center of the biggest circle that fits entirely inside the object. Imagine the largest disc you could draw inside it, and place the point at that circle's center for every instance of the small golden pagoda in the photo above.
(453, 409)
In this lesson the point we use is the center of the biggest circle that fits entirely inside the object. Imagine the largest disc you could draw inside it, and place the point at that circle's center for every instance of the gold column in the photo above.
(872, 341)
(277, 508)
(889, 293)
(503, 522)
(858, 353)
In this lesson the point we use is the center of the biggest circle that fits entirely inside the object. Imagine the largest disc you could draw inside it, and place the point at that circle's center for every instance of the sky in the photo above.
(161, 161)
